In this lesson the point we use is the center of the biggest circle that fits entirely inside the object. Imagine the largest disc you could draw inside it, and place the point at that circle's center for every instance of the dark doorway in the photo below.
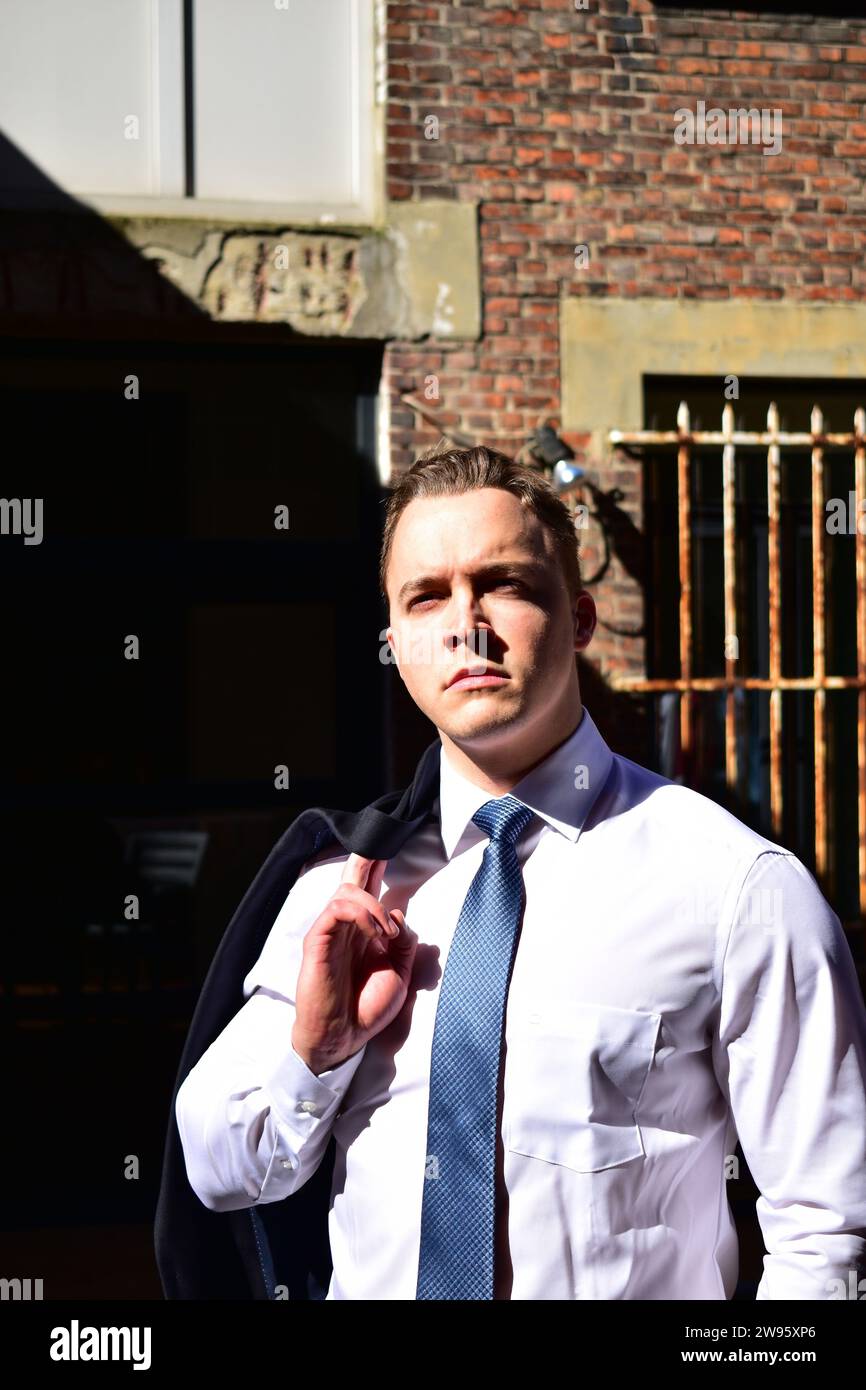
(160, 466)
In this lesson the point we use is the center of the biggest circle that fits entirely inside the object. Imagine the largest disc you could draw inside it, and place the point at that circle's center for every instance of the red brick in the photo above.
(561, 192)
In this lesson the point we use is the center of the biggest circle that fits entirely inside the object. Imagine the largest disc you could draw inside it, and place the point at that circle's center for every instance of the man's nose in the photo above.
(466, 624)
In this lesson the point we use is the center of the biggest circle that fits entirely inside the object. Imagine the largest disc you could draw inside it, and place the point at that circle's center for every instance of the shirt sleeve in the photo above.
(254, 1120)
(790, 1056)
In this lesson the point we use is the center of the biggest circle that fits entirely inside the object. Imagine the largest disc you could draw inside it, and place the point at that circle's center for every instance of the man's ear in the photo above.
(585, 620)
(389, 637)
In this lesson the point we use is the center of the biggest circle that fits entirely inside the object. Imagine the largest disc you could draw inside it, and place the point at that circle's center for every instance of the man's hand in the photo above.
(355, 971)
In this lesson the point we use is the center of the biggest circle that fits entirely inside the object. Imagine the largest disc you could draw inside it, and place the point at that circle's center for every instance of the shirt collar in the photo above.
(561, 789)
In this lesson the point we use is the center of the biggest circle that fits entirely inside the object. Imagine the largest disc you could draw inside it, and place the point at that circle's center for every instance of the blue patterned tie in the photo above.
(457, 1214)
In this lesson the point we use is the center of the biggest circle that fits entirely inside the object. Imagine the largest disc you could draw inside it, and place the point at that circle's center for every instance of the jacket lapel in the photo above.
(247, 1254)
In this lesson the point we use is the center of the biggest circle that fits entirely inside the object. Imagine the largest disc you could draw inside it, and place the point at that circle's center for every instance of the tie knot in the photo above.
(503, 818)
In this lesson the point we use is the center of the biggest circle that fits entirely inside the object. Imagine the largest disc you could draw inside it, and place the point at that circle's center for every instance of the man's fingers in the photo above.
(350, 892)
(367, 875)
(401, 949)
(348, 912)
(356, 870)
(364, 873)
(404, 931)
(377, 873)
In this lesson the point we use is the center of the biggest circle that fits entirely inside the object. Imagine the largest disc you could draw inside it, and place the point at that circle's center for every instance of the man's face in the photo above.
(474, 581)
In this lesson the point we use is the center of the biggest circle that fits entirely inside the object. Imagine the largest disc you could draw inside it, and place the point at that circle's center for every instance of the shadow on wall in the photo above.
(61, 261)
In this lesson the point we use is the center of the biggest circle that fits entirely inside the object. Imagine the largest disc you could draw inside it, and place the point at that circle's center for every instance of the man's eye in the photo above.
(496, 584)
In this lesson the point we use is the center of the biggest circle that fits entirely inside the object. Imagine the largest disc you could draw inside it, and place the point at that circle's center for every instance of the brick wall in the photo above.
(560, 123)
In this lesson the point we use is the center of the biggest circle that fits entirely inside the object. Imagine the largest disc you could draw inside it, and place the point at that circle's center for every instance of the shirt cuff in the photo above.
(302, 1097)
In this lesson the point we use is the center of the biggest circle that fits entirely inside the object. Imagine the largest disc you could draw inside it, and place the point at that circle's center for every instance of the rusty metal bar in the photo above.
(860, 553)
(775, 589)
(433, 417)
(740, 437)
(684, 518)
(819, 645)
(705, 683)
(730, 561)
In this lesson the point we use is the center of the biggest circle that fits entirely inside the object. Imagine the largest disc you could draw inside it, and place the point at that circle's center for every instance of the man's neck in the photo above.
(497, 771)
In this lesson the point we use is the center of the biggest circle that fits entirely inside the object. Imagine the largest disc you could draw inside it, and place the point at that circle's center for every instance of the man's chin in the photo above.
(482, 721)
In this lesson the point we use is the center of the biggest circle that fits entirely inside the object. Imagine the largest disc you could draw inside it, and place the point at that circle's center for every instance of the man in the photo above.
(532, 1036)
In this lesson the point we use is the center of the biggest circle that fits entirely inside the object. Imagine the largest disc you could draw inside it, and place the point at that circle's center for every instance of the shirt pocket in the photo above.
(575, 1076)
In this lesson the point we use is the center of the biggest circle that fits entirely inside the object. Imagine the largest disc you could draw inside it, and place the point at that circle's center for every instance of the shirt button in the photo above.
(286, 1162)
(309, 1106)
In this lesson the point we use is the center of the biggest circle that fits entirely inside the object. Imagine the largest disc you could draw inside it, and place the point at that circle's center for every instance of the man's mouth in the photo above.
(472, 678)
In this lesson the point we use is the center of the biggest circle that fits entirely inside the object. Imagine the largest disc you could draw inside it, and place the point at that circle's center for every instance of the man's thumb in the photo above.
(399, 920)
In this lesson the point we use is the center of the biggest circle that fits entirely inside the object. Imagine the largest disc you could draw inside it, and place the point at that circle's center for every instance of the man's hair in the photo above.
(449, 472)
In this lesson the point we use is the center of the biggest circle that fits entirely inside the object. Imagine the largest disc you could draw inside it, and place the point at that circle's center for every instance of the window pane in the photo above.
(78, 94)
(282, 100)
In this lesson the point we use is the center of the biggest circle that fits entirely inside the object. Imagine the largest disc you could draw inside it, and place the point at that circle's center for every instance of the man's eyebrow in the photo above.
(528, 569)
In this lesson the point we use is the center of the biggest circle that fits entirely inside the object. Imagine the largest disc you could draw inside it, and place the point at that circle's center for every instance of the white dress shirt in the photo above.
(679, 981)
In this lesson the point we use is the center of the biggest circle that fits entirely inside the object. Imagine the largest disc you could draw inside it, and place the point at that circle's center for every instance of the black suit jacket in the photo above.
(250, 1253)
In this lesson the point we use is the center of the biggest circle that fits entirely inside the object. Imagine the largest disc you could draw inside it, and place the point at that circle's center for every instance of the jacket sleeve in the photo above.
(790, 1055)
(254, 1119)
